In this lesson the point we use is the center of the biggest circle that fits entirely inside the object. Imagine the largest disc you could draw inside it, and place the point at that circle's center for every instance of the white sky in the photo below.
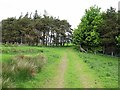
(71, 10)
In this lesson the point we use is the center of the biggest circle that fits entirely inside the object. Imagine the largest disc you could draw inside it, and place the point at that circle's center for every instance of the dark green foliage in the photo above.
(40, 30)
(99, 31)
(109, 31)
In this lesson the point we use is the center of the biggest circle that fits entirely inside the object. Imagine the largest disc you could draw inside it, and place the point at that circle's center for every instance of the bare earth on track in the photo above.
(58, 80)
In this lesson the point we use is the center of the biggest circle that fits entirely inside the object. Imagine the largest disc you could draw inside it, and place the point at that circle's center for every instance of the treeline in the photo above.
(99, 31)
(36, 30)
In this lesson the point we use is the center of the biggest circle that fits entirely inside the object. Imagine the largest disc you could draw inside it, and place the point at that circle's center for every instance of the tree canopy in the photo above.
(99, 31)
(44, 30)
(87, 32)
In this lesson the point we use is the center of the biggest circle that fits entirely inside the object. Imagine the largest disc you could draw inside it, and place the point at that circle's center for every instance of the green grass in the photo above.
(48, 72)
(105, 67)
(81, 72)
(102, 68)
(71, 75)
(53, 56)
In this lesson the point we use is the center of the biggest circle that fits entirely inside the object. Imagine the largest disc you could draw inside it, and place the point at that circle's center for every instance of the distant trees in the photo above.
(8, 26)
(44, 30)
(99, 31)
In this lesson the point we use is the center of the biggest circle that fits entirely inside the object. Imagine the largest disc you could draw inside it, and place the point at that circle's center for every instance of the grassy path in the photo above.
(86, 76)
(78, 74)
(58, 80)
(73, 73)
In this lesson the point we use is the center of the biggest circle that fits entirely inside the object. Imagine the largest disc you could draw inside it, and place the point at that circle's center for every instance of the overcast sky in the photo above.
(71, 10)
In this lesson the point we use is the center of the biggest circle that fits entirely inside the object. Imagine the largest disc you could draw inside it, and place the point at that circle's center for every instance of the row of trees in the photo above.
(99, 31)
(33, 30)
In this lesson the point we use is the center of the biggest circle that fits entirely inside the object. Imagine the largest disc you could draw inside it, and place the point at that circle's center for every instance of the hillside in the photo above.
(66, 68)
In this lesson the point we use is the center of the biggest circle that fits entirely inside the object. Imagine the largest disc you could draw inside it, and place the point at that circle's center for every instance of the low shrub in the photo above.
(7, 70)
(22, 67)
(39, 61)
(7, 83)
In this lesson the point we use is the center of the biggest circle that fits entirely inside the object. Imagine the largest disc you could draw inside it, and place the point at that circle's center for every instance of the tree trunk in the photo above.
(112, 53)
(21, 40)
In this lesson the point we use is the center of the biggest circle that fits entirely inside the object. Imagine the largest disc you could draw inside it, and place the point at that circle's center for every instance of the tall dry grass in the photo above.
(21, 67)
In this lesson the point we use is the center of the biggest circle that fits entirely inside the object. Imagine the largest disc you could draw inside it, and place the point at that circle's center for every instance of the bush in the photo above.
(21, 68)
(39, 61)
(24, 69)
(7, 70)
(7, 83)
